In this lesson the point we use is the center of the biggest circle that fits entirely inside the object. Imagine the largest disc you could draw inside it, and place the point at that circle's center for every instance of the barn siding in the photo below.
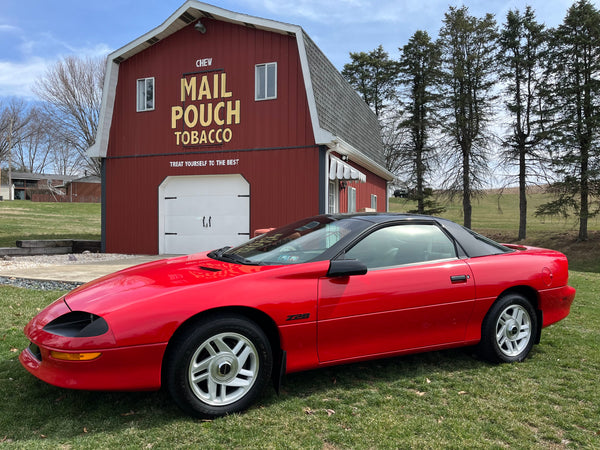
(272, 145)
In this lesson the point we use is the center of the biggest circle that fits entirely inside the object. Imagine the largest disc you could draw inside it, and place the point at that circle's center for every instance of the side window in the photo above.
(351, 199)
(265, 81)
(403, 244)
(145, 94)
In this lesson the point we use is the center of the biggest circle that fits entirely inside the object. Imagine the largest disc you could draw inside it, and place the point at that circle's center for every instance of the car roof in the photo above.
(472, 243)
(384, 217)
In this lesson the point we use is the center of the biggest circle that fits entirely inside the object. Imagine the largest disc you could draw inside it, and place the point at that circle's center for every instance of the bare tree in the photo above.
(13, 119)
(31, 152)
(72, 90)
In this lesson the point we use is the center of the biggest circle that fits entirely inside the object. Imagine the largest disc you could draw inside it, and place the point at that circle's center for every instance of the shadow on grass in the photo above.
(38, 410)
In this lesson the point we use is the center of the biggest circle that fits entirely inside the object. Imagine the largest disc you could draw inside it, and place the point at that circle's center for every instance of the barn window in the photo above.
(351, 199)
(266, 81)
(145, 94)
(374, 202)
(333, 198)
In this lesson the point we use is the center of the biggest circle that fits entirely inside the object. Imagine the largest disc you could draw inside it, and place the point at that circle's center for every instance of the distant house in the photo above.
(40, 187)
(27, 184)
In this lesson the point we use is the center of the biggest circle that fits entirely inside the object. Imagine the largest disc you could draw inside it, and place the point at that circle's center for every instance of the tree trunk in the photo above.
(467, 209)
(585, 189)
(522, 197)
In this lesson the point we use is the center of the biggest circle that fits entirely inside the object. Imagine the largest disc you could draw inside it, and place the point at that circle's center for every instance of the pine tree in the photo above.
(574, 94)
(373, 75)
(522, 46)
(468, 46)
(419, 62)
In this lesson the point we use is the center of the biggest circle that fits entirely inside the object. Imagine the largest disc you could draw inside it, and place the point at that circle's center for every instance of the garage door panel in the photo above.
(205, 224)
(199, 213)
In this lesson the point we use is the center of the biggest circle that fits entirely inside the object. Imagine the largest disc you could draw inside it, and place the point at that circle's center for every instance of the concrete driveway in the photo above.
(77, 273)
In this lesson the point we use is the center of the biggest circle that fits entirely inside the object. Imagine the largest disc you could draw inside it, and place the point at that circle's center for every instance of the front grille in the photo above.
(35, 351)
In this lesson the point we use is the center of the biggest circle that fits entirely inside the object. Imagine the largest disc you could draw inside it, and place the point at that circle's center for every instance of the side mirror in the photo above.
(346, 268)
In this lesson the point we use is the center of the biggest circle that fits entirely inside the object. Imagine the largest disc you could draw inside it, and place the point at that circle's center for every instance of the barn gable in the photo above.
(340, 119)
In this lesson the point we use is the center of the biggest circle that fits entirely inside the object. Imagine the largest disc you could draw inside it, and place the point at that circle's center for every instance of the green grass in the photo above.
(432, 400)
(22, 219)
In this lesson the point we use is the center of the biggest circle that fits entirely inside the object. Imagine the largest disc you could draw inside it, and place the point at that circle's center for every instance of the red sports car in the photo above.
(213, 328)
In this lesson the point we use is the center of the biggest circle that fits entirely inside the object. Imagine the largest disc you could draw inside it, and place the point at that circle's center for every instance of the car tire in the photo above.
(508, 330)
(219, 366)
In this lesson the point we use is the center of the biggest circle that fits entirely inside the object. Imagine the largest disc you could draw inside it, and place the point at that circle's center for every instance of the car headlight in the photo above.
(77, 324)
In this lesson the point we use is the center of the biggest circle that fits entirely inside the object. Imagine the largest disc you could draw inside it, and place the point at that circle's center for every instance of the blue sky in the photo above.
(34, 34)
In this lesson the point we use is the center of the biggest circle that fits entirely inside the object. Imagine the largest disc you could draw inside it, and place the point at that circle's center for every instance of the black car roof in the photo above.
(472, 243)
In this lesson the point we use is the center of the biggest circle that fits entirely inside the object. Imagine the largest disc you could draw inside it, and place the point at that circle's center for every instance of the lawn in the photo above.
(433, 400)
(21, 219)
(439, 399)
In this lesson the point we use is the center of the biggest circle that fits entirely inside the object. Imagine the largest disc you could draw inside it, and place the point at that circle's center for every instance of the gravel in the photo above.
(8, 263)
(40, 285)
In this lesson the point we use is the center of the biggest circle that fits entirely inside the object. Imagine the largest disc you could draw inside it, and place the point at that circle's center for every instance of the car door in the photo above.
(416, 294)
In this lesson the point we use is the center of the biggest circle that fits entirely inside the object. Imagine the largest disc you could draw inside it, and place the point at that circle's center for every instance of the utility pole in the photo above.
(10, 128)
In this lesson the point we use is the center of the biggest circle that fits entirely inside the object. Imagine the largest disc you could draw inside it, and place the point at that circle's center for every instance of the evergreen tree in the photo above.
(574, 94)
(522, 45)
(468, 46)
(373, 75)
(419, 62)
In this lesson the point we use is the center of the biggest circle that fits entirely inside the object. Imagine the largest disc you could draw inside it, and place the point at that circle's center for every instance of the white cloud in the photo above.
(4, 28)
(18, 78)
(35, 56)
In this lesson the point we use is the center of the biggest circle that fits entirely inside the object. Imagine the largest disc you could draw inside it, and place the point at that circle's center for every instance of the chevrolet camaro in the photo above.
(214, 328)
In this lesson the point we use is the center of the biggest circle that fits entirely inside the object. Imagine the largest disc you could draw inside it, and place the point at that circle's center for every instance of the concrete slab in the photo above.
(79, 273)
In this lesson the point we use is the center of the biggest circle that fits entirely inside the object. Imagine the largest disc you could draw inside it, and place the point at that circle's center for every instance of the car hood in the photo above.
(154, 279)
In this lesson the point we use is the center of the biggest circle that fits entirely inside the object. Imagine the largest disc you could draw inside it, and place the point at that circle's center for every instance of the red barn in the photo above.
(215, 124)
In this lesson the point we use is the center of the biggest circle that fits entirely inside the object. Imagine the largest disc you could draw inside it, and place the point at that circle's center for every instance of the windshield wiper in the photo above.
(230, 257)
(234, 257)
(218, 253)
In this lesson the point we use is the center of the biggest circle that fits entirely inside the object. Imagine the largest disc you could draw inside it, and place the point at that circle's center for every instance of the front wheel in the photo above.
(508, 330)
(219, 367)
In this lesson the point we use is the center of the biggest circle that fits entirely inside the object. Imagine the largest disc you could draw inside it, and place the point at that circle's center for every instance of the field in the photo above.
(439, 399)
(22, 219)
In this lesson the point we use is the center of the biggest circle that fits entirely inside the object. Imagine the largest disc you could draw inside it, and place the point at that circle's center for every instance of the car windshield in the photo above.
(299, 242)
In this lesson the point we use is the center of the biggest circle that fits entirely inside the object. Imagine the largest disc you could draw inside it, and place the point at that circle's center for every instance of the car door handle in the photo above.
(459, 278)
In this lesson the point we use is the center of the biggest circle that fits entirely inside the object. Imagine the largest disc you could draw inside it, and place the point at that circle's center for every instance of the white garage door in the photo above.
(198, 213)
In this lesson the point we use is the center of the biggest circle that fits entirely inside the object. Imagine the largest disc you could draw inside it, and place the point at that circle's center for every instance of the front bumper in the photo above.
(135, 368)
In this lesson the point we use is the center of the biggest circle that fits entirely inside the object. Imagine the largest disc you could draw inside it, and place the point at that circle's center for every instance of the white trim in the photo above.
(266, 81)
(351, 199)
(137, 94)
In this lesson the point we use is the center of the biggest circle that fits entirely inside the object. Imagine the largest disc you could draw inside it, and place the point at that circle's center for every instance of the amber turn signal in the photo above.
(74, 356)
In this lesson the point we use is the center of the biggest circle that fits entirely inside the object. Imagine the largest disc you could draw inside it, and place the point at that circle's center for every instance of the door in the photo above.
(204, 212)
(416, 294)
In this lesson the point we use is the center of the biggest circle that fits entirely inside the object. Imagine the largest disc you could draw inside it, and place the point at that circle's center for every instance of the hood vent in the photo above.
(210, 269)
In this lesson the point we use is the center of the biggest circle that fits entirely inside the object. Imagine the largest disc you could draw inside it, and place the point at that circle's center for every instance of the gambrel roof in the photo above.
(341, 120)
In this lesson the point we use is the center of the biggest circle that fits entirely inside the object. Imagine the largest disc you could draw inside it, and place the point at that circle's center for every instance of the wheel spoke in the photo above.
(518, 315)
(202, 366)
(212, 389)
(221, 345)
(238, 382)
(243, 357)
(501, 334)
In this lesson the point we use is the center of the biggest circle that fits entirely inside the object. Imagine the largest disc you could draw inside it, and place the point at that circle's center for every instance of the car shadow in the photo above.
(40, 410)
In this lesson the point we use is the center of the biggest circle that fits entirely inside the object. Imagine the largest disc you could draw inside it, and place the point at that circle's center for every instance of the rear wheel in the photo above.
(218, 367)
(508, 330)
